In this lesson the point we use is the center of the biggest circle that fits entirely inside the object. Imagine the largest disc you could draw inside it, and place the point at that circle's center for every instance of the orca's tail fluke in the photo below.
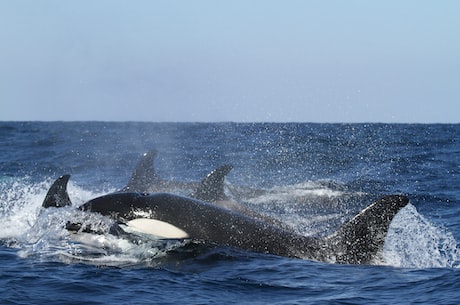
(211, 188)
(57, 195)
(143, 175)
(361, 240)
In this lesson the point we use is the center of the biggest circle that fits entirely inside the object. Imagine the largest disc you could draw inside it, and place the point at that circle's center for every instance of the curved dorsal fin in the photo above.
(143, 175)
(57, 195)
(211, 188)
(359, 240)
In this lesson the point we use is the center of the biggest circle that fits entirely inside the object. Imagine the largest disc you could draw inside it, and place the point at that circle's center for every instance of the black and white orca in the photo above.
(145, 179)
(170, 216)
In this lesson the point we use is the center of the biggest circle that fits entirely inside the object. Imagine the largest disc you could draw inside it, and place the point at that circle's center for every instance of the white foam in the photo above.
(414, 242)
(292, 193)
(41, 233)
(19, 206)
(25, 225)
(21, 201)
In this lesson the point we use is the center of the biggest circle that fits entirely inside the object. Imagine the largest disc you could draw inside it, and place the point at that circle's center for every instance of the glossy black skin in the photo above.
(202, 221)
(357, 242)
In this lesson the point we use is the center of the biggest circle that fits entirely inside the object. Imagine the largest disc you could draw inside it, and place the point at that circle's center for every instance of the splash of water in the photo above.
(19, 205)
(42, 234)
(414, 242)
(21, 201)
(296, 193)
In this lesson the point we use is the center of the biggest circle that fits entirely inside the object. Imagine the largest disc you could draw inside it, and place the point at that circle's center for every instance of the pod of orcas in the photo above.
(148, 205)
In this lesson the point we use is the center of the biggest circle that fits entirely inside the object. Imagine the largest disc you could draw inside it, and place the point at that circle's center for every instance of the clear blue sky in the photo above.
(305, 61)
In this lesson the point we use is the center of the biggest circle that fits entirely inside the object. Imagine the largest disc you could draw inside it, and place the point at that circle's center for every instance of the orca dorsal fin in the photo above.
(57, 195)
(361, 239)
(211, 188)
(143, 175)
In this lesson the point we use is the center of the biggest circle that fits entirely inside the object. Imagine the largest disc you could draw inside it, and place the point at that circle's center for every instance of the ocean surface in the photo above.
(313, 177)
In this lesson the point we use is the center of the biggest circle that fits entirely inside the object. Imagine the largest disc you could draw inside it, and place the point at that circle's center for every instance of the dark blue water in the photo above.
(316, 176)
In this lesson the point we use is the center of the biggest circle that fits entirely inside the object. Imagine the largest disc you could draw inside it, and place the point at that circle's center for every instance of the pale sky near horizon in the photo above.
(276, 61)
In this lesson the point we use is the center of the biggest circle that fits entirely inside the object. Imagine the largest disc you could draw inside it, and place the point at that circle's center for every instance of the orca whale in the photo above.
(169, 216)
(144, 179)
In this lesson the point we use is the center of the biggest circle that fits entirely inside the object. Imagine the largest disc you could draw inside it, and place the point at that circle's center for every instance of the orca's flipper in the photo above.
(57, 195)
(361, 239)
(143, 175)
(211, 188)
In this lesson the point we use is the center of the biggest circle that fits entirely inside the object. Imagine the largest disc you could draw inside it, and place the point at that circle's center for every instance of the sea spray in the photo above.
(414, 242)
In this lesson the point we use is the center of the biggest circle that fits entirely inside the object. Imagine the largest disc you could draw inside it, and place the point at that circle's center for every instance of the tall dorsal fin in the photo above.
(57, 195)
(211, 188)
(361, 239)
(143, 175)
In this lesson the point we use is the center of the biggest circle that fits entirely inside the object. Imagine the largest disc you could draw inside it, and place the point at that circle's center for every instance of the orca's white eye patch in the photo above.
(156, 227)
